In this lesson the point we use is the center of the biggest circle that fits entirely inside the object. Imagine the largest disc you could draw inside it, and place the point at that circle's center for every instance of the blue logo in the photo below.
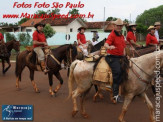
(17, 112)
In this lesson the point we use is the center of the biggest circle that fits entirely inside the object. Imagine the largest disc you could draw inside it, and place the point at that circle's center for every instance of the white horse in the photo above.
(140, 75)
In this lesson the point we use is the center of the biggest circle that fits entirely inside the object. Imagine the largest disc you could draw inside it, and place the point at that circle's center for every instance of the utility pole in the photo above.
(104, 20)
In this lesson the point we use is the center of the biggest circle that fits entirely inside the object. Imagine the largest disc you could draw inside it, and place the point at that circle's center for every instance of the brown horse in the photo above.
(66, 52)
(10, 45)
(140, 74)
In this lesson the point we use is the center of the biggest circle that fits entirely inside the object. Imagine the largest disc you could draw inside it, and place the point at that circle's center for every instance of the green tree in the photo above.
(111, 19)
(10, 37)
(126, 20)
(25, 39)
(74, 12)
(149, 17)
(22, 21)
(48, 30)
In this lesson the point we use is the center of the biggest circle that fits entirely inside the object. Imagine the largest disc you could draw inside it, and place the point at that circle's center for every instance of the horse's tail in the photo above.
(71, 78)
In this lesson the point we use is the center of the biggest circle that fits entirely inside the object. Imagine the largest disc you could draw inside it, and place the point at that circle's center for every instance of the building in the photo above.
(58, 24)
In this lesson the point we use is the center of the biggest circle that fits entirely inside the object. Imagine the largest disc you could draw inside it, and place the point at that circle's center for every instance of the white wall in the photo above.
(32, 28)
(59, 29)
(74, 25)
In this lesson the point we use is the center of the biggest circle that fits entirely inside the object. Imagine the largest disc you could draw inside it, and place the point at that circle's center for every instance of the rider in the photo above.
(82, 40)
(131, 38)
(157, 26)
(3, 48)
(150, 38)
(39, 41)
(115, 45)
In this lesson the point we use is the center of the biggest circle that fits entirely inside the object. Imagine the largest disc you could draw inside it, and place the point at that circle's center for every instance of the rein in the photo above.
(134, 49)
(137, 74)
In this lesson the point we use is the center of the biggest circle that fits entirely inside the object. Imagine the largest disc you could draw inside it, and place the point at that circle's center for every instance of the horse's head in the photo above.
(16, 45)
(71, 54)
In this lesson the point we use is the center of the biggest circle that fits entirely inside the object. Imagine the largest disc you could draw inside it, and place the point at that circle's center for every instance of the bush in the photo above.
(48, 31)
(10, 37)
(25, 39)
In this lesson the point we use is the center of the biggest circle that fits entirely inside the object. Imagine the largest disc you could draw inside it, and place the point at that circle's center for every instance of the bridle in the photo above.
(137, 74)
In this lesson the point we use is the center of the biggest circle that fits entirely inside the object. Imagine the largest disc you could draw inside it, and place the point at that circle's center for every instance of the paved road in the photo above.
(56, 109)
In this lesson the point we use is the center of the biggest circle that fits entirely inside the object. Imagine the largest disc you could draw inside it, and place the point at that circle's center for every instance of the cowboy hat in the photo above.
(157, 23)
(151, 27)
(118, 22)
(38, 24)
(79, 29)
(132, 24)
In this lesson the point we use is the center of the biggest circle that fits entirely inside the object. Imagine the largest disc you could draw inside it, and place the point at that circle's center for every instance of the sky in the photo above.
(116, 8)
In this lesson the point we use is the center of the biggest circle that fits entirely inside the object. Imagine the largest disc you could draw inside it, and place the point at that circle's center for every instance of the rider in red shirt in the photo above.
(39, 41)
(151, 39)
(82, 43)
(131, 37)
(115, 45)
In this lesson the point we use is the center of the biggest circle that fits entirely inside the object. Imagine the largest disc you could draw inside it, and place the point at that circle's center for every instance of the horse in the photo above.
(65, 52)
(91, 49)
(13, 44)
(140, 74)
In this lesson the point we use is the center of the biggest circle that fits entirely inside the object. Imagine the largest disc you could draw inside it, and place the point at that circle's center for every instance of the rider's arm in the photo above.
(79, 42)
(134, 43)
(38, 43)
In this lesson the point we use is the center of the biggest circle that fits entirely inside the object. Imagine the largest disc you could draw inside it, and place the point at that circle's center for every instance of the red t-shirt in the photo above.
(151, 39)
(40, 37)
(1, 36)
(117, 41)
(81, 37)
(131, 36)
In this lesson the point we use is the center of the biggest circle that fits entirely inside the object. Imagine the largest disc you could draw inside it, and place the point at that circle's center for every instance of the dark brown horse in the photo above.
(66, 52)
(10, 45)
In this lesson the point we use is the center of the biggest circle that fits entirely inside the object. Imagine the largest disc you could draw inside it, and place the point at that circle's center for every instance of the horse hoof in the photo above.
(74, 113)
(52, 94)
(94, 99)
(85, 115)
(37, 91)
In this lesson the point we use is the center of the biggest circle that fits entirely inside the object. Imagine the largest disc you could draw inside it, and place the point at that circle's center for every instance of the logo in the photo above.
(17, 112)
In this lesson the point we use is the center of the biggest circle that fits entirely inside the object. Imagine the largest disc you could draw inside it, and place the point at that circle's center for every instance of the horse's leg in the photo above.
(75, 94)
(33, 82)
(50, 76)
(98, 93)
(9, 65)
(58, 76)
(150, 107)
(3, 66)
(82, 99)
(127, 101)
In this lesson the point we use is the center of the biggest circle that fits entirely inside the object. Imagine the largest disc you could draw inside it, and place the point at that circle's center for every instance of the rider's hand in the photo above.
(111, 47)
(45, 44)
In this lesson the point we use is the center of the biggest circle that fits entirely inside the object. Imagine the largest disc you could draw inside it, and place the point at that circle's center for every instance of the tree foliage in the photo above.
(48, 31)
(22, 21)
(149, 17)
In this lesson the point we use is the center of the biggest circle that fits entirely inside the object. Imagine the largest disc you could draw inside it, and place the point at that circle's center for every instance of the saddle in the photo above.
(94, 58)
(103, 73)
(32, 58)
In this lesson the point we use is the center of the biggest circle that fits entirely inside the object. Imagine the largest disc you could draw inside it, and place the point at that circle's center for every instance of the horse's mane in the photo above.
(98, 45)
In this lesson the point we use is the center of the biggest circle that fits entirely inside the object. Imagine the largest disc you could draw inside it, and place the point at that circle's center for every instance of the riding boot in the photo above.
(44, 67)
